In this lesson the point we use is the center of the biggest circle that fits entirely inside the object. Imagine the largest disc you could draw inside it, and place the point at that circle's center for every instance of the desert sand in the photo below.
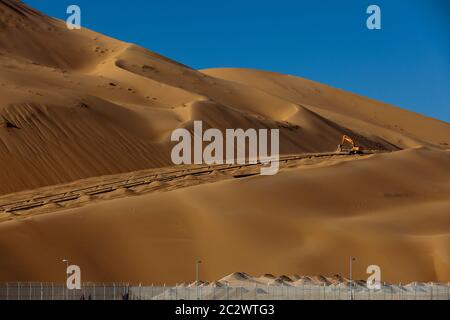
(78, 108)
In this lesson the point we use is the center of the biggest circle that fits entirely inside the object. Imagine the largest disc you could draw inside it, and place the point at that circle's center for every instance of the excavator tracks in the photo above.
(28, 201)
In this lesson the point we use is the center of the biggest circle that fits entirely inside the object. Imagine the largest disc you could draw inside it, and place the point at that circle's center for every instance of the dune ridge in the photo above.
(123, 102)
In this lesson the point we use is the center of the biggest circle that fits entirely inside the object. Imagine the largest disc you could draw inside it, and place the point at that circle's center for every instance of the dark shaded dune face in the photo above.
(19, 25)
(14, 7)
(8, 124)
(51, 144)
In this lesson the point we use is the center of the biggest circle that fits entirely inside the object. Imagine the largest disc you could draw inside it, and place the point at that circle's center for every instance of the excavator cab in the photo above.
(354, 148)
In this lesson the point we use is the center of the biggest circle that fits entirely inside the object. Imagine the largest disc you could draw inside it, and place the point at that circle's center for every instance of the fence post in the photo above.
(282, 291)
(7, 291)
(104, 292)
(176, 292)
(415, 290)
(431, 291)
(324, 291)
(164, 292)
(42, 292)
(140, 291)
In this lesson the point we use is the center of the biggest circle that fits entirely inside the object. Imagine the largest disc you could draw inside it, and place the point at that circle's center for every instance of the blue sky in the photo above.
(407, 63)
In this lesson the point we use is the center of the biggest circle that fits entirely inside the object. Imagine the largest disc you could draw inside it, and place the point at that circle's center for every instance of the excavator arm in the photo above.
(354, 150)
(346, 138)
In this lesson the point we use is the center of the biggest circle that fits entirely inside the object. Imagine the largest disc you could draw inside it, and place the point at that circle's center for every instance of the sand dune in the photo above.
(302, 221)
(124, 101)
(77, 105)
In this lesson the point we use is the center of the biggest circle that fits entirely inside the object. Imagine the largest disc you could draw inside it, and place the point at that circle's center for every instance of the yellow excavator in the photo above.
(354, 148)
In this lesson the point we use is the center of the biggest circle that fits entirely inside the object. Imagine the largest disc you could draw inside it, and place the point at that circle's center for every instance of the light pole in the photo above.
(351, 276)
(197, 271)
(67, 268)
(67, 265)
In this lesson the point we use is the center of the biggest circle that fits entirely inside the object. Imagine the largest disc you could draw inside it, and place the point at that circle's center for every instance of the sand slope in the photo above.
(77, 104)
(302, 221)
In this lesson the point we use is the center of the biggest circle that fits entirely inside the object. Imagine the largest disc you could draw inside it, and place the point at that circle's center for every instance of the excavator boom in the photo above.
(354, 150)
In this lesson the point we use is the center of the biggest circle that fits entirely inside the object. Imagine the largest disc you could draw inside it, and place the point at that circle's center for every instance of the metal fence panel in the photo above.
(120, 291)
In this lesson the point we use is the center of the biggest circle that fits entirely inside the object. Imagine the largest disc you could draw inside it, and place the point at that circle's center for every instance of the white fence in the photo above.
(305, 292)
(91, 291)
